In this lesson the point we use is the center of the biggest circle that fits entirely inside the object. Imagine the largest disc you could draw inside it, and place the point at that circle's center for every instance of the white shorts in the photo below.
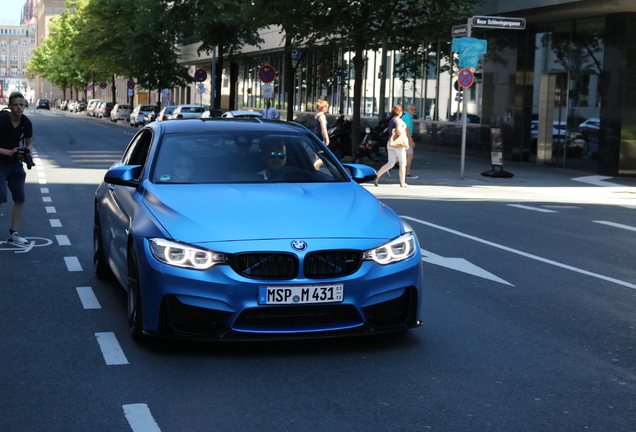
(396, 153)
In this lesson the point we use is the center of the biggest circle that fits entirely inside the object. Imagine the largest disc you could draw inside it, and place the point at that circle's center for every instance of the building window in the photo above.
(3, 43)
(25, 44)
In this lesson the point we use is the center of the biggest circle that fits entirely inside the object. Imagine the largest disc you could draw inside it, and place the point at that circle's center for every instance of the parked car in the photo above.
(92, 104)
(150, 117)
(211, 113)
(104, 109)
(241, 114)
(559, 133)
(81, 106)
(64, 105)
(42, 104)
(120, 112)
(165, 112)
(590, 129)
(224, 229)
(187, 111)
(137, 115)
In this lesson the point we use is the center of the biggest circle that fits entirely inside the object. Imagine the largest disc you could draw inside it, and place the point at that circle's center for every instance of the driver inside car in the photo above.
(274, 156)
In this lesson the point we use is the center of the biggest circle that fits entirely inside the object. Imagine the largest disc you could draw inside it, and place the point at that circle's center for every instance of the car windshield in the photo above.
(241, 157)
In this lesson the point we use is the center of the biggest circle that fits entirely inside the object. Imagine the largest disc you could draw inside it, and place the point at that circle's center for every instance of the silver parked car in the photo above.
(138, 114)
(120, 111)
(187, 111)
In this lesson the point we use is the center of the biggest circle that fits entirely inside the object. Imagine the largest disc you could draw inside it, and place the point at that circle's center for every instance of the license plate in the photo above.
(300, 294)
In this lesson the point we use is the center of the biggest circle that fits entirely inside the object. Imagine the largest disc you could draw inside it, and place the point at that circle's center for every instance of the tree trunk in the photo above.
(358, 66)
(289, 79)
(218, 78)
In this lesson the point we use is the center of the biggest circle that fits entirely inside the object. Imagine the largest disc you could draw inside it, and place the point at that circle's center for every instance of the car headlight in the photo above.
(396, 250)
(185, 256)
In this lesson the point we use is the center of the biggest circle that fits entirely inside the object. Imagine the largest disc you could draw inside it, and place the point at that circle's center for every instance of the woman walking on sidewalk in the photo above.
(395, 153)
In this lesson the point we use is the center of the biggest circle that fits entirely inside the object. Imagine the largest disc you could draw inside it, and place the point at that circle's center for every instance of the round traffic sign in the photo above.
(266, 74)
(103, 85)
(131, 85)
(200, 75)
(466, 78)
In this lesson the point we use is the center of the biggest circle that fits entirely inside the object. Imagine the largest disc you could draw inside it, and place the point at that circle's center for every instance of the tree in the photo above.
(54, 61)
(397, 24)
(225, 25)
(302, 23)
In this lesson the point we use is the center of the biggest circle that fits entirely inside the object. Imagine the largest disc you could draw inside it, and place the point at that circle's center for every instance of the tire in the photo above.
(102, 270)
(135, 314)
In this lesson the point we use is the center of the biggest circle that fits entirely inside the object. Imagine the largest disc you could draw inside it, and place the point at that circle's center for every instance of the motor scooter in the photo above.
(340, 137)
(373, 145)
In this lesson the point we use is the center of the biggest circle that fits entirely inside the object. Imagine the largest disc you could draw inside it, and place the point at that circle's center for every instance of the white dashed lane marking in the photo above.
(88, 298)
(140, 419)
(542, 210)
(73, 264)
(111, 350)
(616, 225)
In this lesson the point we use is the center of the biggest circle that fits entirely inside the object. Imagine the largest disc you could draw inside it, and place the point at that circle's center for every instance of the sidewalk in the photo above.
(445, 169)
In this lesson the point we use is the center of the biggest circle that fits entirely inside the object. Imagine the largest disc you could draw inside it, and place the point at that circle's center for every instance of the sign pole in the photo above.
(464, 112)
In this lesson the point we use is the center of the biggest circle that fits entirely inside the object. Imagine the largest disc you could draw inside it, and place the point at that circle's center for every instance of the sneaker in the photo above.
(15, 238)
(411, 176)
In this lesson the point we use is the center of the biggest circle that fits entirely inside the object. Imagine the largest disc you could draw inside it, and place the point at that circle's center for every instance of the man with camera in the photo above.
(14, 128)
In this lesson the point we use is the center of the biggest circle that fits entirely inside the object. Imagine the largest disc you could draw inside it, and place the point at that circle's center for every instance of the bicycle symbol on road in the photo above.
(33, 242)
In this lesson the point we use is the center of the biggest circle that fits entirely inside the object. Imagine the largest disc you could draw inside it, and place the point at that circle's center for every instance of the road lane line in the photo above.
(88, 298)
(616, 225)
(72, 264)
(62, 240)
(532, 208)
(140, 419)
(47, 199)
(55, 223)
(44, 190)
(524, 254)
(50, 209)
(111, 350)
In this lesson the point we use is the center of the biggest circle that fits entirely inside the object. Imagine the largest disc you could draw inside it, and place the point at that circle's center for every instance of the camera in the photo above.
(23, 154)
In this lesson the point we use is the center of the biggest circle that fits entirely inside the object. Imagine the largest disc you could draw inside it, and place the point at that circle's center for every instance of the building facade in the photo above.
(558, 91)
(16, 47)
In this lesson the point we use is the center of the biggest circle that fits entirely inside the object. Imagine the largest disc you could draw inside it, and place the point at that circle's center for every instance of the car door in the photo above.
(124, 200)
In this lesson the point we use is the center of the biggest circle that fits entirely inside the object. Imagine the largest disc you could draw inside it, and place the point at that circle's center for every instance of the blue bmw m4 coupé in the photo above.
(233, 229)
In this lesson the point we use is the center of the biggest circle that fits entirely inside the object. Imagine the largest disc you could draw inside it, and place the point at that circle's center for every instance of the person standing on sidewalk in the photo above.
(270, 112)
(407, 117)
(14, 127)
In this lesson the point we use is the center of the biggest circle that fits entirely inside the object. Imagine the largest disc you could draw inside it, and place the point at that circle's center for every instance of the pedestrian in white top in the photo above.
(270, 112)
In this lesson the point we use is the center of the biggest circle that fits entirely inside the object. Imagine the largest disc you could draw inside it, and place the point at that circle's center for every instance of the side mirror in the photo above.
(361, 173)
(124, 175)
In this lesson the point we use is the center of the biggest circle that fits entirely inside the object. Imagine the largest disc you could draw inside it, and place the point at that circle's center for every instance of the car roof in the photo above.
(227, 124)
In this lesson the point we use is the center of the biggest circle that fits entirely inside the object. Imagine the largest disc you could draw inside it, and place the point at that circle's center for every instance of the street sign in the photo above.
(268, 91)
(466, 78)
(200, 75)
(103, 85)
(266, 74)
(499, 22)
(460, 30)
(131, 85)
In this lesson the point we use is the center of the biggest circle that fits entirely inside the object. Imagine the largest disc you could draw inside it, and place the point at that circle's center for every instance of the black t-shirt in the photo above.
(10, 136)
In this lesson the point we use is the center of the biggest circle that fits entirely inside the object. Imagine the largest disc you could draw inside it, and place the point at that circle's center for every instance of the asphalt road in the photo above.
(529, 317)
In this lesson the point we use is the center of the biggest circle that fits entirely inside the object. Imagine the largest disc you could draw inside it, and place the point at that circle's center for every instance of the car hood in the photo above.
(213, 213)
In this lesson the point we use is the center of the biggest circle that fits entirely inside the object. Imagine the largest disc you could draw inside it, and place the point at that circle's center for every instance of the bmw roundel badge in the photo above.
(299, 245)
